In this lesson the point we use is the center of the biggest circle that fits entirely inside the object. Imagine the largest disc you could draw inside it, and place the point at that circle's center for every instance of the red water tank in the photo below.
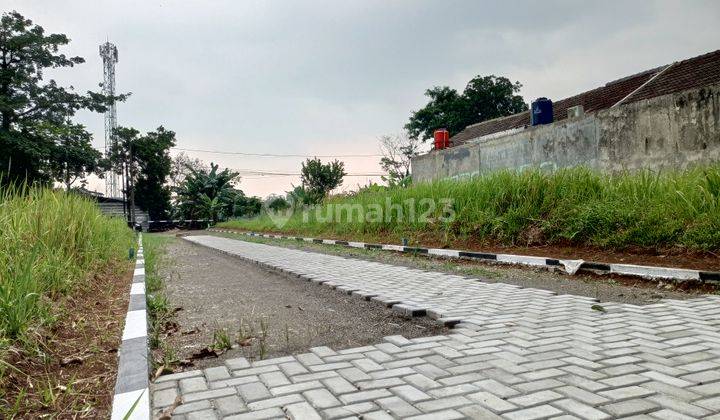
(442, 138)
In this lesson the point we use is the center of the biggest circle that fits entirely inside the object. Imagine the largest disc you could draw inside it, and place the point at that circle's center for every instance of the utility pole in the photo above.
(132, 186)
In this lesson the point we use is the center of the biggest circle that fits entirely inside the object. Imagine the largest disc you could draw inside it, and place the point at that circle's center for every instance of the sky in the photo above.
(330, 77)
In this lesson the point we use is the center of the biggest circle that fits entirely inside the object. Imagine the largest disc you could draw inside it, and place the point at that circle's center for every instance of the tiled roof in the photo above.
(687, 74)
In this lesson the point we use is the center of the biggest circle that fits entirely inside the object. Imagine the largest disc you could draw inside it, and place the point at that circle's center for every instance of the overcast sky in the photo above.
(324, 78)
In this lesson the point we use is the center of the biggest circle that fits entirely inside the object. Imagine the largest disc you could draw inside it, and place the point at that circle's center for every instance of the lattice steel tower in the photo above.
(109, 54)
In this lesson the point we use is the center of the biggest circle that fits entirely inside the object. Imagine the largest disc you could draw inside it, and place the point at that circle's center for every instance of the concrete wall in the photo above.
(115, 209)
(672, 131)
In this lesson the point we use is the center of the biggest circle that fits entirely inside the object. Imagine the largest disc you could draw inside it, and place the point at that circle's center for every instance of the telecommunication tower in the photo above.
(109, 54)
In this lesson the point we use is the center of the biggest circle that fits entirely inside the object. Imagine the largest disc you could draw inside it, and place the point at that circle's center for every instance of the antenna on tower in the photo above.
(109, 54)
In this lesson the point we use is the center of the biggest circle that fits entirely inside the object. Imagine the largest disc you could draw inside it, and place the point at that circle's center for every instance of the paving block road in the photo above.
(514, 353)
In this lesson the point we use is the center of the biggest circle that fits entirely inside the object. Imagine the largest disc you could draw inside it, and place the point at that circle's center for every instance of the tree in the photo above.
(120, 159)
(446, 109)
(144, 161)
(209, 194)
(397, 151)
(181, 167)
(484, 98)
(298, 196)
(319, 179)
(277, 203)
(246, 206)
(152, 153)
(29, 107)
(72, 155)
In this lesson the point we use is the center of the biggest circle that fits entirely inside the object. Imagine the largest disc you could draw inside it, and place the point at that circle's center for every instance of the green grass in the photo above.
(49, 242)
(159, 311)
(577, 206)
(154, 250)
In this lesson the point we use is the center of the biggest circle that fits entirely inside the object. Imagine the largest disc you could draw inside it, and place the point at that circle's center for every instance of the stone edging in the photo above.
(570, 266)
(132, 391)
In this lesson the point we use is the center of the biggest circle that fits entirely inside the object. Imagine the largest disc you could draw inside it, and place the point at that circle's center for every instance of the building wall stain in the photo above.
(673, 131)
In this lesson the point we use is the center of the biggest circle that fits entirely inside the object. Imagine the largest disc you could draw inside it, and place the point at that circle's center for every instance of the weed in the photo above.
(287, 338)
(263, 338)
(245, 333)
(168, 358)
(158, 305)
(221, 340)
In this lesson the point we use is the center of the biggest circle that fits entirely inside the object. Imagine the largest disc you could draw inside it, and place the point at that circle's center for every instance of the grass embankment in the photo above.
(60, 261)
(578, 207)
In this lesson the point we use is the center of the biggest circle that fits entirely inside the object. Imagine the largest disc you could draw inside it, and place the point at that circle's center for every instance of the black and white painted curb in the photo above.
(181, 221)
(132, 394)
(570, 266)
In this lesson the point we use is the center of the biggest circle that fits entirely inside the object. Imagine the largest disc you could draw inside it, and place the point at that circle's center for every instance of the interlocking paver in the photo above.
(302, 411)
(229, 405)
(398, 406)
(514, 353)
(321, 398)
(491, 401)
(253, 391)
(629, 407)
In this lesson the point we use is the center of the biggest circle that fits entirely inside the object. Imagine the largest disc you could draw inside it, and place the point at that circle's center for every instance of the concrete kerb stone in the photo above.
(131, 398)
(570, 266)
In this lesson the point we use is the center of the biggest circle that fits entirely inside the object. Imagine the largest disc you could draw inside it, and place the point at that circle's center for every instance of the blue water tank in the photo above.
(542, 111)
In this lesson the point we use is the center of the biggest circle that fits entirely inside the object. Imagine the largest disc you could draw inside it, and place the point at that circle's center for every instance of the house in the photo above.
(666, 117)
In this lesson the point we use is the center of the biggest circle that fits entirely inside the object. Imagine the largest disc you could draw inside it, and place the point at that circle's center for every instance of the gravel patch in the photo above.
(264, 314)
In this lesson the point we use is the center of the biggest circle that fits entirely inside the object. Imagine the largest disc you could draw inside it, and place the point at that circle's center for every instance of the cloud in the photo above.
(325, 77)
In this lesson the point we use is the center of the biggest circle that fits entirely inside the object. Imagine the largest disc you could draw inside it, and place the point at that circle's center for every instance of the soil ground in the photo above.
(264, 314)
(604, 288)
(72, 373)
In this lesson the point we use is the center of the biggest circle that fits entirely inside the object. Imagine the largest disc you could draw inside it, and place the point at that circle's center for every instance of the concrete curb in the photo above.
(132, 391)
(569, 266)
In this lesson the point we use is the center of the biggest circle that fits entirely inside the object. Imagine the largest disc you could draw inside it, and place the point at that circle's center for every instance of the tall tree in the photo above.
(484, 98)
(121, 161)
(72, 156)
(319, 179)
(397, 151)
(152, 153)
(145, 163)
(182, 165)
(27, 104)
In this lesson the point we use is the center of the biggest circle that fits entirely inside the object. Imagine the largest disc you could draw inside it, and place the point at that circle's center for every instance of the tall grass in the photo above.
(49, 241)
(673, 209)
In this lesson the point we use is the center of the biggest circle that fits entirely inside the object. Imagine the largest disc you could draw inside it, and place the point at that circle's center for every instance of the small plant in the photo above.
(263, 338)
(158, 305)
(221, 340)
(287, 338)
(245, 333)
(598, 308)
(168, 359)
